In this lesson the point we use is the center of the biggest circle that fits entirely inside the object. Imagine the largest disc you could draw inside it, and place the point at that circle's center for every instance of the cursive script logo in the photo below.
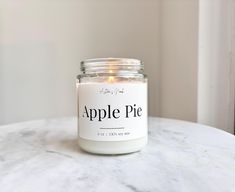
(114, 91)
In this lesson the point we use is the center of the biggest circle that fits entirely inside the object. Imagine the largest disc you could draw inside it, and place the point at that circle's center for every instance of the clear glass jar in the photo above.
(112, 106)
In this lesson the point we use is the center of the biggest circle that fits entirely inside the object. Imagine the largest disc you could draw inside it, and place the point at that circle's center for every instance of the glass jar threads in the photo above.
(112, 106)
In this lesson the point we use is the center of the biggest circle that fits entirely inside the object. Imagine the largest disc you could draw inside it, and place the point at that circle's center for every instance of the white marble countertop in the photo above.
(180, 156)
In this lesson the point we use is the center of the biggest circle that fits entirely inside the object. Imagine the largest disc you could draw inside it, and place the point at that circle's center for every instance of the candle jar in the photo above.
(112, 106)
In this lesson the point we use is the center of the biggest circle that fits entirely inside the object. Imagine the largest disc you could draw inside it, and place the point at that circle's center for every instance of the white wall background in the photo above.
(178, 58)
(43, 41)
(216, 64)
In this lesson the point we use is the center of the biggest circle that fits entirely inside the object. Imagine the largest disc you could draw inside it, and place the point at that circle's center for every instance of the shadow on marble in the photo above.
(64, 145)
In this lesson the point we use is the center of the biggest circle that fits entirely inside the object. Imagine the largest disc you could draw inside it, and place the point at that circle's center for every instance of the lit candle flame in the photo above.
(111, 78)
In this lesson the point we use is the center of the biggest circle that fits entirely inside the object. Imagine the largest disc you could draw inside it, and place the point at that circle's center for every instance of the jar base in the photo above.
(112, 147)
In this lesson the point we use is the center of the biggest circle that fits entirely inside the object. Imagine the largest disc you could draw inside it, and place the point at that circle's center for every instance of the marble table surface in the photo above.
(44, 156)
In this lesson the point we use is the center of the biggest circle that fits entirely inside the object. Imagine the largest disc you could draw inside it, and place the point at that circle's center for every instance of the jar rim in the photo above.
(111, 65)
(111, 61)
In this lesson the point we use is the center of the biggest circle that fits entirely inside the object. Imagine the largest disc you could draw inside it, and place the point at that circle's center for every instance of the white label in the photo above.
(112, 111)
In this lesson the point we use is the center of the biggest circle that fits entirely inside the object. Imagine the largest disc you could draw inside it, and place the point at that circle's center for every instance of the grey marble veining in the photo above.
(180, 156)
